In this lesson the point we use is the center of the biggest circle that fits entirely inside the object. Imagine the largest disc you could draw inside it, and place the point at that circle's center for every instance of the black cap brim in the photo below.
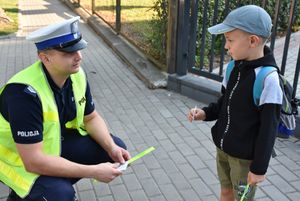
(73, 48)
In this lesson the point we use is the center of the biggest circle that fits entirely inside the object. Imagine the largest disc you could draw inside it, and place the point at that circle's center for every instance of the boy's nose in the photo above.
(226, 46)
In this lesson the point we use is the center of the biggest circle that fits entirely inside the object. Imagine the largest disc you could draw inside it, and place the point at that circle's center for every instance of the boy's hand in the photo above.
(254, 179)
(196, 114)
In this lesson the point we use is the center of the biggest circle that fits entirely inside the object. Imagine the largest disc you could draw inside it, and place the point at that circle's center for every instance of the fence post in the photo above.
(297, 131)
(182, 37)
(93, 6)
(275, 22)
(193, 34)
(296, 78)
(204, 27)
(288, 35)
(118, 16)
(213, 38)
(172, 35)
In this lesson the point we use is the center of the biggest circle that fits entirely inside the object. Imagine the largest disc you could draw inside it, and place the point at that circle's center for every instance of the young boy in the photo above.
(244, 133)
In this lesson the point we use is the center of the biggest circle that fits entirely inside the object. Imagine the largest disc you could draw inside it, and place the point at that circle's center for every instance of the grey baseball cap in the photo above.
(251, 18)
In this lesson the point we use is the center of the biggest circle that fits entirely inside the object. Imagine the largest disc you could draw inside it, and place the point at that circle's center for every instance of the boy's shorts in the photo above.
(233, 173)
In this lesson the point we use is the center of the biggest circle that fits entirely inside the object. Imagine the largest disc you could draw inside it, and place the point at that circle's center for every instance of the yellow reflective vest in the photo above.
(12, 170)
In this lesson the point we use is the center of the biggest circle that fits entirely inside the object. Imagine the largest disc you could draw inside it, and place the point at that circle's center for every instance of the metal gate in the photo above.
(196, 49)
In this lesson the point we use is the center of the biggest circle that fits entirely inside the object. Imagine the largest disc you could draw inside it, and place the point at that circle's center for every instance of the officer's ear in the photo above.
(44, 57)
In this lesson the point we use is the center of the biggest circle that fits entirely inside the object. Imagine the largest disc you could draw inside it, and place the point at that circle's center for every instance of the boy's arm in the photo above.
(270, 106)
(213, 109)
(269, 117)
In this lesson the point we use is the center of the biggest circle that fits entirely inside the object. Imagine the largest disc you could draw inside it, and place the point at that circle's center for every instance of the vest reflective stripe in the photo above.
(11, 176)
(50, 116)
(12, 170)
(80, 102)
(13, 156)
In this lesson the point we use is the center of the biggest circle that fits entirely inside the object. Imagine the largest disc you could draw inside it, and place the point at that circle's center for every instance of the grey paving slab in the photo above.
(183, 165)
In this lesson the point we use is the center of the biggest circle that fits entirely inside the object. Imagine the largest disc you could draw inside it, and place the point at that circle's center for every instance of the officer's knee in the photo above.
(119, 142)
(64, 192)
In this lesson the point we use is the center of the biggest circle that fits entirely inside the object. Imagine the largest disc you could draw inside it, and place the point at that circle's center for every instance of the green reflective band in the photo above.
(140, 155)
(245, 192)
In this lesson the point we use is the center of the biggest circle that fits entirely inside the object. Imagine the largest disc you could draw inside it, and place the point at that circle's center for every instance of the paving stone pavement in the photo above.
(182, 168)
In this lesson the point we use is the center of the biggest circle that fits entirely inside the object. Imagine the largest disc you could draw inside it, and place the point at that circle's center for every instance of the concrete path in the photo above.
(183, 166)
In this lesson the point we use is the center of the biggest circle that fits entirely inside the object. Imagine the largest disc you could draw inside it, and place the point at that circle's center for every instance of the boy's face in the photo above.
(238, 44)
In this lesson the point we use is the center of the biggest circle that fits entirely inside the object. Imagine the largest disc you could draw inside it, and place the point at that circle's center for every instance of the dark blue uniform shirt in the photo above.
(21, 106)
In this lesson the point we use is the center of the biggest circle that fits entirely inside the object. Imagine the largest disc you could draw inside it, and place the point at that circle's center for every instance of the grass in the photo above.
(131, 10)
(135, 14)
(137, 17)
(11, 10)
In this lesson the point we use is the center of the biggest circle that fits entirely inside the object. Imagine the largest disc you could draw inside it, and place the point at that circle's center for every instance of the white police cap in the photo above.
(63, 36)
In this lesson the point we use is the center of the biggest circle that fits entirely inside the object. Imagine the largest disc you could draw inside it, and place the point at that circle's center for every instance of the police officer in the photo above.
(50, 133)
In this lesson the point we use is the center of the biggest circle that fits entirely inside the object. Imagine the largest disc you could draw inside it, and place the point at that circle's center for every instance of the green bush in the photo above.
(158, 34)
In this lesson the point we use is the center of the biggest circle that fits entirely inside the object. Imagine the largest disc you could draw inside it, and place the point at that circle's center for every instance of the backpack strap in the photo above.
(229, 68)
(259, 82)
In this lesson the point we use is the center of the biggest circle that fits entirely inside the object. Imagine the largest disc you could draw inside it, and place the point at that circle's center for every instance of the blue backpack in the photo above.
(287, 123)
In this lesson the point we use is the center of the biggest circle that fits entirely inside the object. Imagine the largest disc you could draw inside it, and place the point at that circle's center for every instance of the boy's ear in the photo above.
(254, 40)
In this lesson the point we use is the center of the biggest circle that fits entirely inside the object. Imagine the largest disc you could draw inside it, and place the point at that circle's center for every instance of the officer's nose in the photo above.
(78, 55)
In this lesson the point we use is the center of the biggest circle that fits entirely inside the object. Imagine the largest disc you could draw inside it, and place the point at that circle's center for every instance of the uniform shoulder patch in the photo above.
(30, 90)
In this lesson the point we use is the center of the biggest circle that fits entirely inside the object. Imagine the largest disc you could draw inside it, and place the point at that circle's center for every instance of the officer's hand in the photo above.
(119, 154)
(254, 179)
(196, 114)
(106, 172)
